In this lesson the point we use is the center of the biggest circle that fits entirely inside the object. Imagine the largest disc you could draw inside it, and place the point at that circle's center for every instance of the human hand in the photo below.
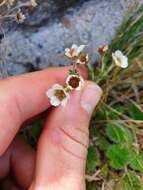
(62, 147)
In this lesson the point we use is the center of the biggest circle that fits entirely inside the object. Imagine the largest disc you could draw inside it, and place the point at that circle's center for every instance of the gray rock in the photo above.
(92, 23)
(47, 11)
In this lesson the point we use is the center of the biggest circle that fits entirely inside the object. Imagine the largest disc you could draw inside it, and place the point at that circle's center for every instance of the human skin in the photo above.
(59, 162)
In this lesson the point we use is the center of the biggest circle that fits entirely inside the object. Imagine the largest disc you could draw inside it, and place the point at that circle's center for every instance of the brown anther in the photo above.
(60, 94)
(74, 82)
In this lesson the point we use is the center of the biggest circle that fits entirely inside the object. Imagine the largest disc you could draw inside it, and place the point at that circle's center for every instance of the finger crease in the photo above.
(85, 132)
(18, 108)
(72, 138)
(72, 154)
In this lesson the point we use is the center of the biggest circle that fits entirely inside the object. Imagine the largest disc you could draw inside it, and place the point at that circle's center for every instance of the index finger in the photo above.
(23, 97)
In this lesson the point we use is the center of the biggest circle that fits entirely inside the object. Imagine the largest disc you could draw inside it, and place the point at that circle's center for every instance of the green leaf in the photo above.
(136, 162)
(118, 156)
(135, 111)
(118, 133)
(92, 159)
(105, 170)
(102, 143)
(130, 182)
(112, 115)
(90, 185)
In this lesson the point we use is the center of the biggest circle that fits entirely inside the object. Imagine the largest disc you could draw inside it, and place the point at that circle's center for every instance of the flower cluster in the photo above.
(15, 8)
(76, 54)
(20, 17)
(58, 94)
(119, 59)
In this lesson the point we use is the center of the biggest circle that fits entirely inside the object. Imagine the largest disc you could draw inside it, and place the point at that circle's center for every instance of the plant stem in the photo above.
(90, 72)
(105, 74)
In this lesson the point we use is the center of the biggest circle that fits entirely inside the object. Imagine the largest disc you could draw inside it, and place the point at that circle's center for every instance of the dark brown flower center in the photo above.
(74, 82)
(83, 58)
(60, 94)
(18, 16)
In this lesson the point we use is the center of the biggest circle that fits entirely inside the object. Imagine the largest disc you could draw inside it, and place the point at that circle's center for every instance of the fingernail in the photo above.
(90, 97)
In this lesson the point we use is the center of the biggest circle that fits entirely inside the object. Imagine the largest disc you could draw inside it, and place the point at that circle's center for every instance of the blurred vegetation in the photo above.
(115, 158)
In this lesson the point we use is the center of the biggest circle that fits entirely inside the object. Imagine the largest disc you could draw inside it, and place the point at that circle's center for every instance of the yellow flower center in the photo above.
(60, 94)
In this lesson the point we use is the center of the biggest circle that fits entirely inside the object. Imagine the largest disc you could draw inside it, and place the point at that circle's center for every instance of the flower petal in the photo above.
(124, 62)
(64, 102)
(80, 48)
(54, 101)
(81, 84)
(120, 59)
(57, 86)
(115, 59)
(67, 50)
(74, 46)
(118, 53)
(50, 93)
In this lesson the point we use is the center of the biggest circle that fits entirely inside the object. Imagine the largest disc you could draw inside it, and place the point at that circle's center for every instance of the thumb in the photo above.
(63, 145)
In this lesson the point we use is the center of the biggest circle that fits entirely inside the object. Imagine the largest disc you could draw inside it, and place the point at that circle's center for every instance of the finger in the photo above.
(19, 161)
(23, 97)
(63, 144)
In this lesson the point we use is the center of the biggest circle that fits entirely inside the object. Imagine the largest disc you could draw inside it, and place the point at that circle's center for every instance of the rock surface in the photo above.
(40, 42)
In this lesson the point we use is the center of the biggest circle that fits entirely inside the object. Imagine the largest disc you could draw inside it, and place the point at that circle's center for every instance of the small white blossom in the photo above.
(20, 17)
(58, 95)
(74, 51)
(83, 59)
(103, 49)
(120, 59)
(75, 82)
(33, 3)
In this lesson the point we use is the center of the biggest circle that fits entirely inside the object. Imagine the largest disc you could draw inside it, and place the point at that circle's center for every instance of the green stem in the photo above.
(91, 75)
(102, 63)
(74, 66)
(105, 74)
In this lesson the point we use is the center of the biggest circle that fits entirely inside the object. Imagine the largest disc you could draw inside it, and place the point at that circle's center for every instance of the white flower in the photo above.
(20, 17)
(33, 3)
(83, 59)
(58, 95)
(74, 51)
(120, 59)
(75, 82)
(103, 49)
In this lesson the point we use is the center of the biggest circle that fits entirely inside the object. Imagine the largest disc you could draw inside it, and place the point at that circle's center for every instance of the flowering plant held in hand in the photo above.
(59, 95)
